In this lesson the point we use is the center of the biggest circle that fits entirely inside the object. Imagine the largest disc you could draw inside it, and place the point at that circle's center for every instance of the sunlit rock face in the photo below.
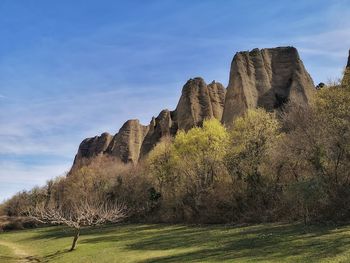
(126, 144)
(198, 102)
(266, 78)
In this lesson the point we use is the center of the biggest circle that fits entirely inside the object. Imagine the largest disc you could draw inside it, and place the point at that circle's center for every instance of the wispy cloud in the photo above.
(15, 176)
(56, 126)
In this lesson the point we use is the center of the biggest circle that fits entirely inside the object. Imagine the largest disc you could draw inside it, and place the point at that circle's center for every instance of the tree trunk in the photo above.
(76, 236)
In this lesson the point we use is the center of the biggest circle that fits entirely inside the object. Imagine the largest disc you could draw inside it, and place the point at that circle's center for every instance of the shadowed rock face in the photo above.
(260, 78)
(266, 78)
(126, 144)
(348, 65)
(91, 147)
(198, 102)
(163, 125)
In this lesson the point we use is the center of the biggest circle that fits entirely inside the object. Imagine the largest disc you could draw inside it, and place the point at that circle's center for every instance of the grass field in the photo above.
(179, 243)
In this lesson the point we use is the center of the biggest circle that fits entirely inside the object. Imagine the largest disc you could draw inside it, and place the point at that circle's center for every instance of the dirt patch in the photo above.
(20, 255)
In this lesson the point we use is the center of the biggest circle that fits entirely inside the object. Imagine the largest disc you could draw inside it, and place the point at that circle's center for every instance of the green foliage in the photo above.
(251, 139)
(187, 168)
(201, 142)
(199, 155)
(200, 151)
(160, 162)
(153, 194)
(333, 107)
(315, 157)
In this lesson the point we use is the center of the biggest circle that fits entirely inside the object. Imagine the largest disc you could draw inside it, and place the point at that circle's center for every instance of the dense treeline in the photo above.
(291, 165)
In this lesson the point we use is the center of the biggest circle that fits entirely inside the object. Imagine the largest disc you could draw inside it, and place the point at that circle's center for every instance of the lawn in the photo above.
(180, 243)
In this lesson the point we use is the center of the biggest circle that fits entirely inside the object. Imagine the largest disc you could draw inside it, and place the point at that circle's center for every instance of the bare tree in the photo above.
(78, 216)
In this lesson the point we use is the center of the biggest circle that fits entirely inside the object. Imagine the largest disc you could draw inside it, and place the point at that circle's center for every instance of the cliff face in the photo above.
(260, 78)
(126, 144)
(92, 147)
(198, 102)
(163, 125)
(266, 78)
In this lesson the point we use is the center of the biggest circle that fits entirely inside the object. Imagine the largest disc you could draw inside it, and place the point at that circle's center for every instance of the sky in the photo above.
(75, 69)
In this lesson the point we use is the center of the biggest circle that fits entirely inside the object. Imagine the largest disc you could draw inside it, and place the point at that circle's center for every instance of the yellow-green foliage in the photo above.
(333, 117)
(187, 168)
(160, 162)
(333, 107)
(208, 142)
(250, 139)
(200, 151)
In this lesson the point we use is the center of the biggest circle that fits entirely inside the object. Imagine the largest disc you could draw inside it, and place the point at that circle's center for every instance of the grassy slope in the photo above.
(178, 243)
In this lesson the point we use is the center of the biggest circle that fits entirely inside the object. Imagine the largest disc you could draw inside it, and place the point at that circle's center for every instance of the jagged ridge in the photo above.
(198, 102)
(260, 78)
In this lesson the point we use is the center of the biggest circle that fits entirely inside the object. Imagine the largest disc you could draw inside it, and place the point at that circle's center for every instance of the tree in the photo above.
(251, 140)
(315, 156)
(160, 162)
(78, 216)
(198, 156)
(201, 150)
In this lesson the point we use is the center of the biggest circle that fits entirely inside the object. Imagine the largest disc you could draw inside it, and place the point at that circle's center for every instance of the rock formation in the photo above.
(163, 125)
(266, 78)
(91, 147)
(260, 78)
(126, 144)
(198, 102)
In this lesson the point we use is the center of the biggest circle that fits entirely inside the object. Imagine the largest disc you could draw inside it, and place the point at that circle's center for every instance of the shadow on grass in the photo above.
(57, 232)
(270, 242)
(55, 255)
(28, 259)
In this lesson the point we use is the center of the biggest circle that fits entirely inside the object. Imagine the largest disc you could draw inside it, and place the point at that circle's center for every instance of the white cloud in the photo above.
(57, 126)
(15, 177)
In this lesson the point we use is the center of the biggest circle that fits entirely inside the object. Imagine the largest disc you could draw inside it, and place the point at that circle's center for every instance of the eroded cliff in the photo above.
(265, 78)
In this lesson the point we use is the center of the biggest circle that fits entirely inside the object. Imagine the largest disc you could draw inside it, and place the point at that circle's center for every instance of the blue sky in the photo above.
(73, 69)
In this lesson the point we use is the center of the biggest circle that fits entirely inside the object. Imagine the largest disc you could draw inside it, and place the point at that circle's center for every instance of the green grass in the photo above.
(6, 254)
(179, 243)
